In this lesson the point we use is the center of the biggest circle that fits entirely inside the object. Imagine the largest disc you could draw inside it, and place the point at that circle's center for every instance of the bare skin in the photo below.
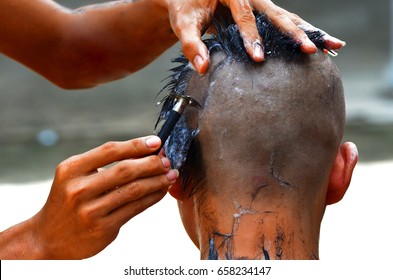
(87, 204)
(104, 42)
(270, 168)
(92, 45)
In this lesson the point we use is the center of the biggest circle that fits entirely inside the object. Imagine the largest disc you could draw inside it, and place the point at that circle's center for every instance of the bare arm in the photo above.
(87, 46)
(100, 43)
(86, 208)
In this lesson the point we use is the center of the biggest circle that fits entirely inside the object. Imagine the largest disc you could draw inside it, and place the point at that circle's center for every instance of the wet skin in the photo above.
(267, 158)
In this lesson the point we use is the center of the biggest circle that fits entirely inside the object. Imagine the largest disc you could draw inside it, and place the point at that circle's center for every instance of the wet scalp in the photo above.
(257, 115)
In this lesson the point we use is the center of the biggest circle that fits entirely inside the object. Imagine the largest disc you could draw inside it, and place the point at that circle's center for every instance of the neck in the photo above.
(231, 230)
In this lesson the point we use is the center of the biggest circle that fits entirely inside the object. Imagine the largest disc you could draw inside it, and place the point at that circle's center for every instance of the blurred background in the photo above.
(41, 125)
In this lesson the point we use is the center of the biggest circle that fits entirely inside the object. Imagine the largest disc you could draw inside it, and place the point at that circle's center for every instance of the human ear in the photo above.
(341, 173)
(175, 189)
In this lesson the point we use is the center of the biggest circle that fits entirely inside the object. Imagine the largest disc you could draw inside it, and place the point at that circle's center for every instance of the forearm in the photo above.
(19, 242)
(118, 40)
(87, 46)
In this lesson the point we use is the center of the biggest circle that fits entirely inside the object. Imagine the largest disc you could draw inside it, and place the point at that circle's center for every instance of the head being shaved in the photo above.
(256, 159)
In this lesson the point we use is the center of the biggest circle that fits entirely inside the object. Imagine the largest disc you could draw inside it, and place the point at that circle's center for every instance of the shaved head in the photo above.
(277, 114)
(281, 121)
(277, 123)
(261, 146)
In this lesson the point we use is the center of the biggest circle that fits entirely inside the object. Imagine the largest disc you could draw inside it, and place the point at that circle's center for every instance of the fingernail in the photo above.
(334, 40)
(311, 44)
(153, 142)
(258, 52)
(308, 46)
(199, 64)
(172, 174)
(166, 162)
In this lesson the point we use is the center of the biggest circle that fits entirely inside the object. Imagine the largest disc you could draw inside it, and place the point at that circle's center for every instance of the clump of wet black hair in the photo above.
(275, 43)
(228, 40)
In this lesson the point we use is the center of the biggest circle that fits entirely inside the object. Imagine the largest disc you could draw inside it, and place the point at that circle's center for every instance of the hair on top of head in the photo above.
(228, 40)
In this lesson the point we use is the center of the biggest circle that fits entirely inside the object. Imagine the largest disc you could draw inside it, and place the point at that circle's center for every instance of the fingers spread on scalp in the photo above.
(193, 47)
(287, 23)
(332, 43)
(194, 50)
(189, 23)
(243, 15)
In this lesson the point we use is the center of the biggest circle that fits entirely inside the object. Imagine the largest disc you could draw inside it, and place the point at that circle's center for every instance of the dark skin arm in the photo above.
(104, 42)
(96, 44)
(87, 46)
(86, 207)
